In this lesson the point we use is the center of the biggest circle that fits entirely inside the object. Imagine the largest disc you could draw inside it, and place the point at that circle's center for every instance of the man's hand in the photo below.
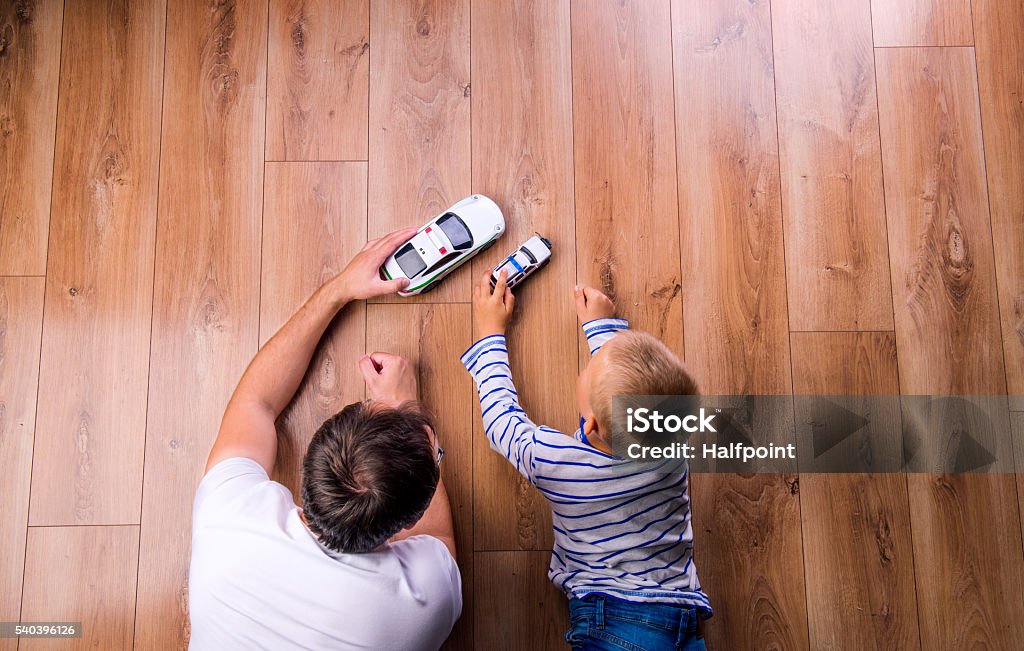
(592, 304)
(360, 279)
(492, 309)
(389, 378)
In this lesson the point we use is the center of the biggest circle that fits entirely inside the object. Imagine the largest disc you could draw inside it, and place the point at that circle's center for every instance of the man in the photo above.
(368, 561)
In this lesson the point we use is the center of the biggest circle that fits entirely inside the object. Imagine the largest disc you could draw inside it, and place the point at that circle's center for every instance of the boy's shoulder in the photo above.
(556, 448)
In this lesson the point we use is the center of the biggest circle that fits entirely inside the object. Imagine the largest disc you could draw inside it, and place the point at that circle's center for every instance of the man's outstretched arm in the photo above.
(274, 375)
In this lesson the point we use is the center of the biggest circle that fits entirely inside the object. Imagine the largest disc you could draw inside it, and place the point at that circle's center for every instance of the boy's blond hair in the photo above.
(638, 364)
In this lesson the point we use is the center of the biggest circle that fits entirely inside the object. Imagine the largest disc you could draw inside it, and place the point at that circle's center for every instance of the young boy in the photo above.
(623, 550)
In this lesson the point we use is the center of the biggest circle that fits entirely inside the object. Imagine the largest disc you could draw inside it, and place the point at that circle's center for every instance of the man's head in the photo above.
(630, 364)
(370, 471)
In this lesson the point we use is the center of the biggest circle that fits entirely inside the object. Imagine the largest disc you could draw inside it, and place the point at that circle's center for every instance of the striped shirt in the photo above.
(620, 529)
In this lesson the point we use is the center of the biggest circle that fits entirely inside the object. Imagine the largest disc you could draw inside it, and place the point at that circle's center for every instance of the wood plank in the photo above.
(999, 38)
(522, 157)
(746, 529)
(947, 323)
(627, 232)
(921, 22)
(419, 121)
(30, 35)
(528, 606)
(314, 222)
(948, 335)
(317, 80)
(442, 333)
(99, 285)
(21, 322)
(1017, 432)
(206, 315)
(82, 574)
(858, 552)
(837, 259)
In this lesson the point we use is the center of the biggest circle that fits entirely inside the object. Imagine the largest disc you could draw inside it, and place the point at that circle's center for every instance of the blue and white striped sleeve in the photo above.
(509, 430)
(599, 331)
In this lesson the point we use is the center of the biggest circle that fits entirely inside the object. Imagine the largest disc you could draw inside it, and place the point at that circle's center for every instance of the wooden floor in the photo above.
(809, 196)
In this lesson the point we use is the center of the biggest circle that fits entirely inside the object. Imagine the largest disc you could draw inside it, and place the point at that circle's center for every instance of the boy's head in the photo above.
(370, 471)
(631, 364)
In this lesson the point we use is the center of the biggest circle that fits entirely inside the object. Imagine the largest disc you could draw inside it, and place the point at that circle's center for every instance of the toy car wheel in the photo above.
(431, 286)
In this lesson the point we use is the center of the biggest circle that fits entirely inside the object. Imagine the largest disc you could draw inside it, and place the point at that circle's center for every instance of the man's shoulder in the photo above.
(230, 485)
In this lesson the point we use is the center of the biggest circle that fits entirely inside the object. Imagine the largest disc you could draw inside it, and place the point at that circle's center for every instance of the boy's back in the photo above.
(621, 529)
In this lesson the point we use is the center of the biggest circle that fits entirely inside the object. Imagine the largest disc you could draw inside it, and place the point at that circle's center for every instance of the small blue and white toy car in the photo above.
(531, 255)
(444, 243)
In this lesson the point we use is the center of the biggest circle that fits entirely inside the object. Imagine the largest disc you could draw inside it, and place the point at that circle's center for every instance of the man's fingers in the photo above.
(396, 285)
(392, 240)
(383, 360)
(368, 369)
(385, 246)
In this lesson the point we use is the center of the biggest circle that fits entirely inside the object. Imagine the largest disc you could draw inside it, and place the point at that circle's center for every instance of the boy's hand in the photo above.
(389, 378)
(492, 309)
(592, 304)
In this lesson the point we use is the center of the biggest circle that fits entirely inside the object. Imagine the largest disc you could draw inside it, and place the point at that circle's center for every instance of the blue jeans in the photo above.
(603, 623)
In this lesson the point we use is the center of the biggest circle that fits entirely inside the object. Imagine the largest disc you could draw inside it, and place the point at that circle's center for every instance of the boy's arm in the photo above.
(599, 331)
(597, 314)
(509, 430)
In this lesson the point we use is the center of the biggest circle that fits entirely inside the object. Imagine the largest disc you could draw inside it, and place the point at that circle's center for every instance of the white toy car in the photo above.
(533, 254)
(445, 242)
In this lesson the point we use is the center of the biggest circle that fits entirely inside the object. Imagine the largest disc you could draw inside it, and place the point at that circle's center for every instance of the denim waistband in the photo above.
(601, 606)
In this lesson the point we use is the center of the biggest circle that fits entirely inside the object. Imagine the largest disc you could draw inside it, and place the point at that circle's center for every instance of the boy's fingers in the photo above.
(510, 299)
(581, 298)
(592, 293)
(501, 286)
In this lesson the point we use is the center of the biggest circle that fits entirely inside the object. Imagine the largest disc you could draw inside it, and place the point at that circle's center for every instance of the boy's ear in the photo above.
(590, 425)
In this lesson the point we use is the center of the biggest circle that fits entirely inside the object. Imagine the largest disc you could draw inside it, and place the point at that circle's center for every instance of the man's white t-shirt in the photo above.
(260, 580)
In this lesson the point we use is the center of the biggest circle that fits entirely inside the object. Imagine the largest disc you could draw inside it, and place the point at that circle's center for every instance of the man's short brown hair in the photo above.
(369, 472)
(637, 364)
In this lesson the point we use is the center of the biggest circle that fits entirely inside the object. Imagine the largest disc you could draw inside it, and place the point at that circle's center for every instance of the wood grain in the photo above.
(206, 317)
(948, 336)
(947, 319)
(522, 158)
(99, 284)
(317, 80)
(419, 121)
(733, 269)
(958, 564)
(921, 22)
(999, 45)
(858, 552)
(627, 228)
(82, 574)
(30, 35)
(837, 259)
(433, 337)
(314, 222)
(746, 528)
(528, 612)
(21, 318)
(1017, 432)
